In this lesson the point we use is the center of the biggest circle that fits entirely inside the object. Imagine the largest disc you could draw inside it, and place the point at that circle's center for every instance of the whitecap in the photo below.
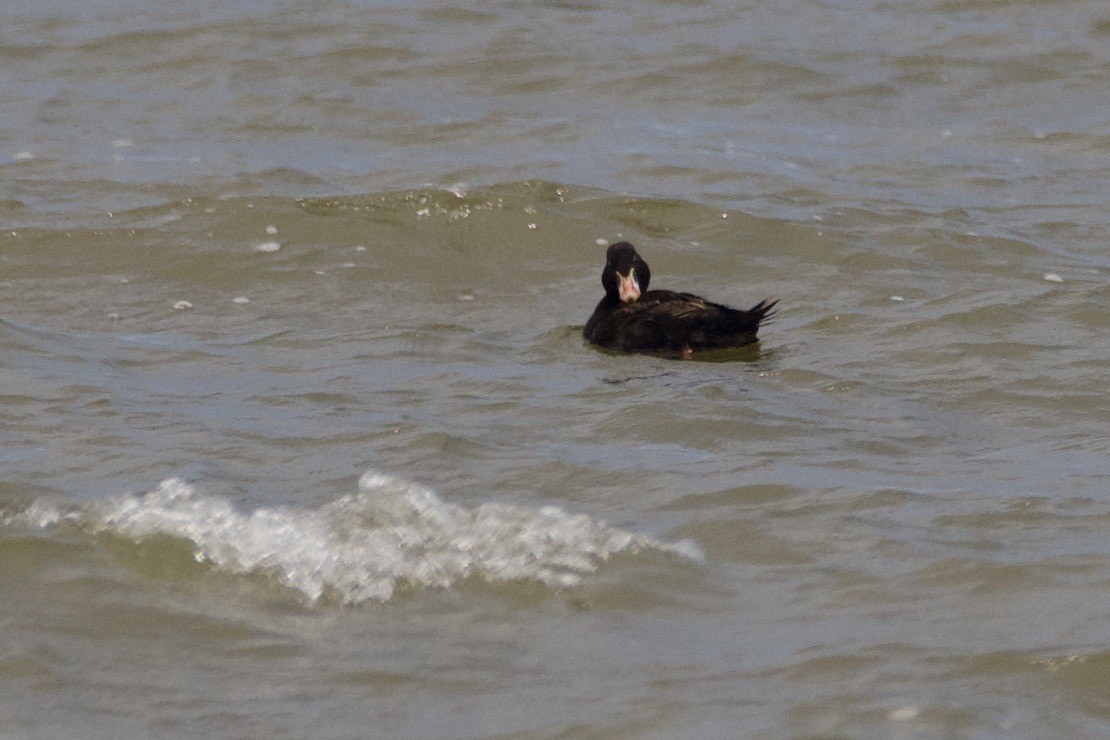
(363, 546)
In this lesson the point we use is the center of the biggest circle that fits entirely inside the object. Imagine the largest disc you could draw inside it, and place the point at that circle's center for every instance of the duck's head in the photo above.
(626, 275)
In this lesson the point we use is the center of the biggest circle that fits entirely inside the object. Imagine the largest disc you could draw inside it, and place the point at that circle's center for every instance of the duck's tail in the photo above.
(763, 311)
(740, 327)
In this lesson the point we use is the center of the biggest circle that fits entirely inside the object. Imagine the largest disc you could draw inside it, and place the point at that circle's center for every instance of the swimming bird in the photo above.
(634, 319)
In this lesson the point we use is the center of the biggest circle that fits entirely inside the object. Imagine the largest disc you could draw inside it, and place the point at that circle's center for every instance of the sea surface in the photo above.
(299, 437)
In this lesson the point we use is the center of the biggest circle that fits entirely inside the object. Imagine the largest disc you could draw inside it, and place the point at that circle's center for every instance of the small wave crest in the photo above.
(362, 546)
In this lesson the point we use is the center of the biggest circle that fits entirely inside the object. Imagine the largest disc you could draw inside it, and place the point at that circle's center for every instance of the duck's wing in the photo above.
(661, 320)
(666, 321)
(680, 321)
(674, 304)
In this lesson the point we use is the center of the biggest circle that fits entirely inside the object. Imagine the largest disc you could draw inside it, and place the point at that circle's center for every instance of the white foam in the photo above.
(903, 714)
(364, 545)
(268, 246)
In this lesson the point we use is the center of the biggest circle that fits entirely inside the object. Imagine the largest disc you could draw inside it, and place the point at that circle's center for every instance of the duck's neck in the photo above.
(610, 301)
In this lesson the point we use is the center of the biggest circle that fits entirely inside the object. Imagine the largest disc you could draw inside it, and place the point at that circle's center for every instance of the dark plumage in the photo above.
(634, 319)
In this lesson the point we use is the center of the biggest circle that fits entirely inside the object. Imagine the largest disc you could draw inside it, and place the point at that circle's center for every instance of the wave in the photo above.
(363, 546)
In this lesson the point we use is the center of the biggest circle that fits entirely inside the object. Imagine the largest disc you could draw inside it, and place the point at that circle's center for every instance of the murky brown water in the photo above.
(229, 291)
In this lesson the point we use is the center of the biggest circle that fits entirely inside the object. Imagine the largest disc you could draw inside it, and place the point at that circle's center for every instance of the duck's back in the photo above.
(665, 321)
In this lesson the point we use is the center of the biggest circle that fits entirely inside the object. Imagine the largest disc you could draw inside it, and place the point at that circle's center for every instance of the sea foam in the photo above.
(363, 545)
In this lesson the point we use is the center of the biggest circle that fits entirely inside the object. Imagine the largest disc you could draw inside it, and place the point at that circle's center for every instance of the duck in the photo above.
(632, 318)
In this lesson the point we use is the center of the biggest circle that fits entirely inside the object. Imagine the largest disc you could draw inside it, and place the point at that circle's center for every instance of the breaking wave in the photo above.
(362, 546)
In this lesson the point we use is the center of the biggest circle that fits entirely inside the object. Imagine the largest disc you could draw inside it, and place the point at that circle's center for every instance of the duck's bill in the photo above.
(628, 288)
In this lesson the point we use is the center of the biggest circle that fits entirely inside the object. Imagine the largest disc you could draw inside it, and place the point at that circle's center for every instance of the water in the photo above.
(300, 437)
